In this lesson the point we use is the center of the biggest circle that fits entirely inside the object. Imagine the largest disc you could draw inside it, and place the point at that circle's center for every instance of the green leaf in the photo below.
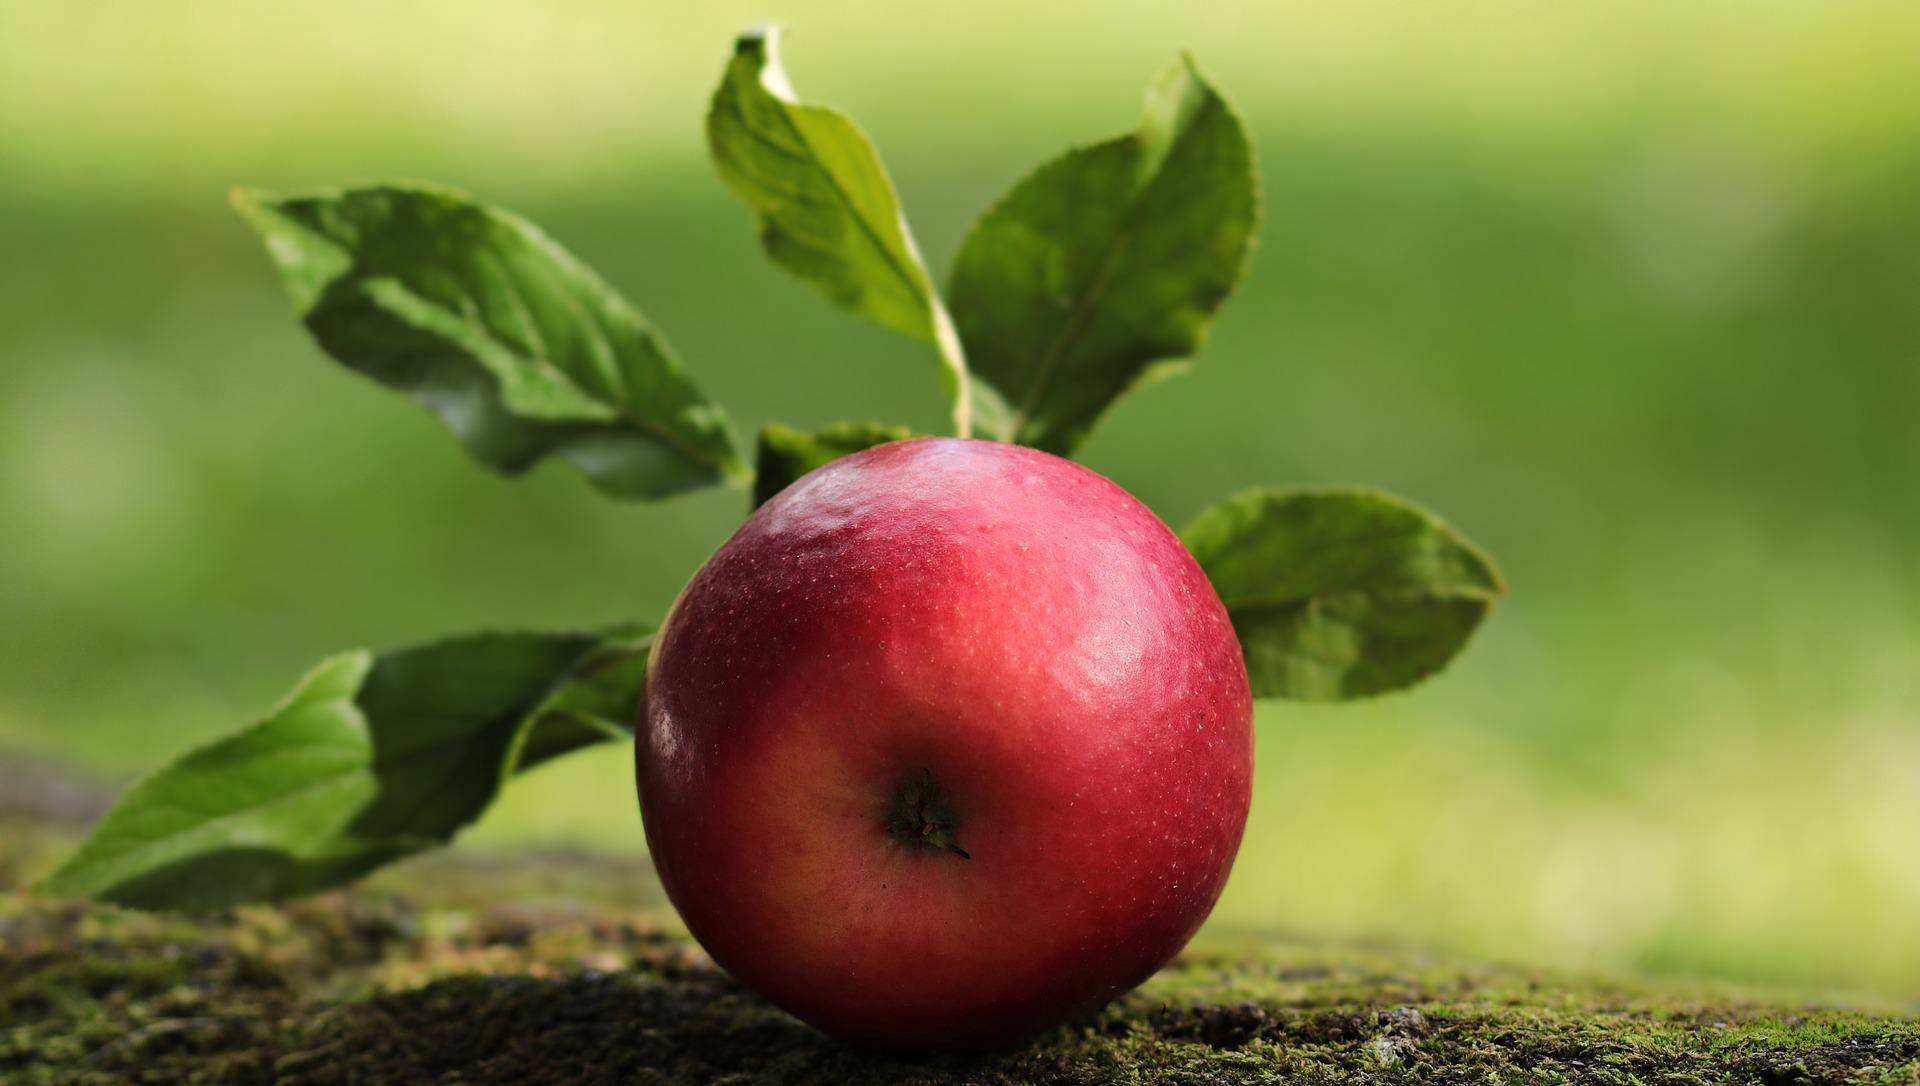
(520, 349)
(826, 209)
(1104, 265)
(599, 701)
(372, 757)
(1341, 593)
(786, 453)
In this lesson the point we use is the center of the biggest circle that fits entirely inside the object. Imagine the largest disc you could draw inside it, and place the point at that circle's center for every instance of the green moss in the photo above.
(569, 969)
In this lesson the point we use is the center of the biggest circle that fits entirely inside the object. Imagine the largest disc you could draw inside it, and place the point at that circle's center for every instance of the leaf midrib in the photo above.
(1451, 592)
(1077, 322)
(1083, 310)
(916, 285)
(620, 409)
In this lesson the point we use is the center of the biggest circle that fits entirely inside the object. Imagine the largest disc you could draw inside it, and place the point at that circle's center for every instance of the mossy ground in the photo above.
(568, 969)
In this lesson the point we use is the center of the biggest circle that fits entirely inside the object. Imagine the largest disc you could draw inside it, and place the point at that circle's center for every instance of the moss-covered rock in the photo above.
(569, 969)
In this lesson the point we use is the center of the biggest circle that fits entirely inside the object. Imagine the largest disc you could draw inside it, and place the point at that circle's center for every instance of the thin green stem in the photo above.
(947, 341)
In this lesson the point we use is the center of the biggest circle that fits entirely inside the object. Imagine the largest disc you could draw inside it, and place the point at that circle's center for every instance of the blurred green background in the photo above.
(1629, 291)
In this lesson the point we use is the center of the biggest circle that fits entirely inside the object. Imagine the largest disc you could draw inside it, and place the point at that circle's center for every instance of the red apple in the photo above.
(950, 742)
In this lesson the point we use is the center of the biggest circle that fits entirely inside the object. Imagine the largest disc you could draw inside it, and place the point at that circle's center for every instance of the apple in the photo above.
(951, 742)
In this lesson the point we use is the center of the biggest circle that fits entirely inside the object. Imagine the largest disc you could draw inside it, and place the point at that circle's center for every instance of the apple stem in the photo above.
(946, 340)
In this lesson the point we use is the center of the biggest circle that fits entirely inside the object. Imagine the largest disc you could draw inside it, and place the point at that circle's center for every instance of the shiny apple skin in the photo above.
(997, 620)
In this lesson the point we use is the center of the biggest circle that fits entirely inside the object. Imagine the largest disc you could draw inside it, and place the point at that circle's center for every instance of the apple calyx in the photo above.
(920, 816)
